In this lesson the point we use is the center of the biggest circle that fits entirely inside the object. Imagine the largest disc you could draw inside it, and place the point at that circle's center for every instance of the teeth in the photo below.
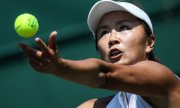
(116, 52)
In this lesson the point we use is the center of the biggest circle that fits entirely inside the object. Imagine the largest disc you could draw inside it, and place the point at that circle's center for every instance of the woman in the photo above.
(125, 41)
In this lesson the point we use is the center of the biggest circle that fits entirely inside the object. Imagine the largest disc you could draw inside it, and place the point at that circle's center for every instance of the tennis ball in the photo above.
(26, 25)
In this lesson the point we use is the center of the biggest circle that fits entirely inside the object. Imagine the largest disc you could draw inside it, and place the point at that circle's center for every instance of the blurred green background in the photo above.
(23, 87)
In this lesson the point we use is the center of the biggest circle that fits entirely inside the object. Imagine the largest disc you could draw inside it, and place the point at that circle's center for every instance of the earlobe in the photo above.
(150, 43)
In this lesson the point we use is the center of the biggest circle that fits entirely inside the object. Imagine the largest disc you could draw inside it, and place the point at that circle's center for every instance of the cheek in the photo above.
(134, 43)
(134, 46)
(134, 39)
(103, 47)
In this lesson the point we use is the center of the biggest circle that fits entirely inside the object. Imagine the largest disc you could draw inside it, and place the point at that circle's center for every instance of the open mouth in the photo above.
(115, 53)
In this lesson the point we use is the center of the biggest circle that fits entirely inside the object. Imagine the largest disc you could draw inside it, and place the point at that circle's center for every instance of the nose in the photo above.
(113, 40)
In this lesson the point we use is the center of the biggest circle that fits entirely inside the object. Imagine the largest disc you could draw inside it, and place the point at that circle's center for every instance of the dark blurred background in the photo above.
(23, 87)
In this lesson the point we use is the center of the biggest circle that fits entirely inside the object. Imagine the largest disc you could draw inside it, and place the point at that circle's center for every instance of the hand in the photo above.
(46, 59)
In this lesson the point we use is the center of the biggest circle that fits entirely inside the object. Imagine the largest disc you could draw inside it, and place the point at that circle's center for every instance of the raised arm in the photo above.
(144, 78)
(47, 60)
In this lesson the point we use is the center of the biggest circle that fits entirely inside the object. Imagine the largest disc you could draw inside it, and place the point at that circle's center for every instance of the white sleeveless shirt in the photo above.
(127, 100)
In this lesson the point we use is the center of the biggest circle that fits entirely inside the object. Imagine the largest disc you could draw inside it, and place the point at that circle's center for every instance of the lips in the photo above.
(115, 54)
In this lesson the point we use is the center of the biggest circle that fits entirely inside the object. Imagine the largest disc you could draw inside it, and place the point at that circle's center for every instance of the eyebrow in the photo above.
(101, 27)
(117, 23)
(124, 21)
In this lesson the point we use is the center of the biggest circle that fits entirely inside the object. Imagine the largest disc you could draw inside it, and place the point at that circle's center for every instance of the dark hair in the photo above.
(148, 32)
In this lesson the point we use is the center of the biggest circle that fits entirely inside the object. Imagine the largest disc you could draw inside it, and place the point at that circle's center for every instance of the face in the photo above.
(121, 38)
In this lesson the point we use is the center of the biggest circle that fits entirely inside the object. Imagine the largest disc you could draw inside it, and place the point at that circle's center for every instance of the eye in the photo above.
(102, 33)
(124, 27)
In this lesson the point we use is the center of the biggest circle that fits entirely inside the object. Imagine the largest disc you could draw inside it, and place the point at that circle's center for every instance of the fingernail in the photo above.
(55, 32)
(37, 39)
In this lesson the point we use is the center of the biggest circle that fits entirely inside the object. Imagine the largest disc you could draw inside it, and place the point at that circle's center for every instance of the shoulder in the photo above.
(96, 103)
(87, 104)
(166, 83)
(162, 74)
(160, 79)
(174, 93)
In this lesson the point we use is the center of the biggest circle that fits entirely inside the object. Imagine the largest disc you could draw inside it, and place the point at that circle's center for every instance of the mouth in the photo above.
(115, 54)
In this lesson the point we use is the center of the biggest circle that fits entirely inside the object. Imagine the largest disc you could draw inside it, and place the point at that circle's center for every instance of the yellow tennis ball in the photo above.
(26, 25)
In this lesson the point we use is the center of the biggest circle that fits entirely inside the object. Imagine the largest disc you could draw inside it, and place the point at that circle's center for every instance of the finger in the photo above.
(29, 51)
(41, 43)
(35, 61)
(35, 65)
(38, 64)
(56, 51)
(52, 38)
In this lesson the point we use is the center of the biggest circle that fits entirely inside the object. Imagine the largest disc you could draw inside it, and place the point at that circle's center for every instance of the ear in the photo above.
(150, 43)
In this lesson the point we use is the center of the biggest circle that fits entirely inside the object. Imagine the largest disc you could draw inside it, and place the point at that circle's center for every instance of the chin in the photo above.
(122, 62)
(117, 62)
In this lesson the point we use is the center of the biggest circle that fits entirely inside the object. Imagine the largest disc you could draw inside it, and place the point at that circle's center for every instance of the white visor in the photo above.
(105, 6)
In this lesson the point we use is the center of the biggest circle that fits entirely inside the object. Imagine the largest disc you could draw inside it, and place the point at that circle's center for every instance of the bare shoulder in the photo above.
(159, 71)
(165, 76)
(96, 103)
(87, 104)
(169, 86)
(174, 95)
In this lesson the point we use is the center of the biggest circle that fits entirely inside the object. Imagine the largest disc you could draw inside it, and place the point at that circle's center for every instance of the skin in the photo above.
(125, 33)
(129, 71)
(122, 31)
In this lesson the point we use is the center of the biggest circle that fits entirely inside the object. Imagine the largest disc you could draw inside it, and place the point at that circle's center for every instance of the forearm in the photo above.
(46, 60)
(87, 72)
